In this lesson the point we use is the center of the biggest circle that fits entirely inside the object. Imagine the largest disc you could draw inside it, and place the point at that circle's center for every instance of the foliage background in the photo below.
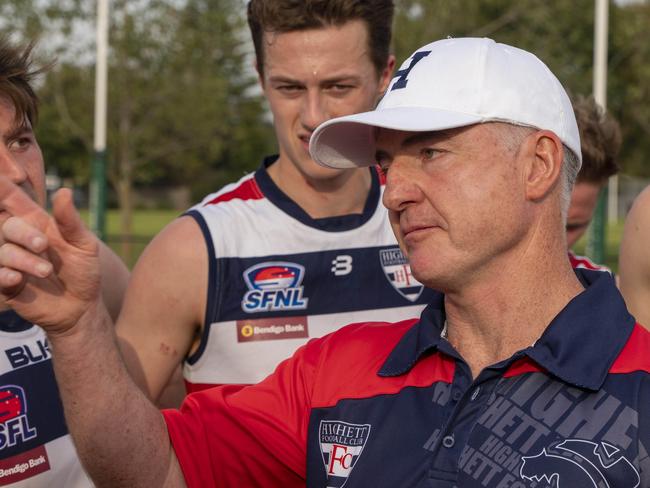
(185, 109)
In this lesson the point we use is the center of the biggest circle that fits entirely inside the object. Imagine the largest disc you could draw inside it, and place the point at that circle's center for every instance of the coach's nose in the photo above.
(402, 189)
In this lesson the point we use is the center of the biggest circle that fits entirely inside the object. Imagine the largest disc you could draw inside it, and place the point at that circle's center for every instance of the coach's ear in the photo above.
(543, 154)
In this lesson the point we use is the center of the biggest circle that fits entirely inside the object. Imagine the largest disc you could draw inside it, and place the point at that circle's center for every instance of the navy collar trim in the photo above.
(598, 313)
(331, 224)
(10, 321)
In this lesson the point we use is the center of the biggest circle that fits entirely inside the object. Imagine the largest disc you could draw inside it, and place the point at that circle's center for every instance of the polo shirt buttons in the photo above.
(448, 441)
(476, 392)
(456, 395)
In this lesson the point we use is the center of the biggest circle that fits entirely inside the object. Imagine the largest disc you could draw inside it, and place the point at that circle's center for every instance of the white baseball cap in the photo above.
(453, 83)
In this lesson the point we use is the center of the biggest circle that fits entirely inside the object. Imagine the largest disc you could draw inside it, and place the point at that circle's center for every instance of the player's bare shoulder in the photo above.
(634, 259)
(174, 265)
(168, 284)
(636, 232)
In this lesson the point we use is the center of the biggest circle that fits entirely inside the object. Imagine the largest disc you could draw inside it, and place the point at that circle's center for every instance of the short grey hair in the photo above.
(512, 137)
(570, 169)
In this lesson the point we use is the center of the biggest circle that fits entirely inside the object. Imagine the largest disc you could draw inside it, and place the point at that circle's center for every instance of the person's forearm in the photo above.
(120, 436)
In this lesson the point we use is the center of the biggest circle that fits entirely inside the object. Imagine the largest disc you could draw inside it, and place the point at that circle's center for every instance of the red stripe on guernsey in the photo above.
(585, 262)
(343, 376)
(634, 356)
(381, 174)
(521, 366)
(248, 190)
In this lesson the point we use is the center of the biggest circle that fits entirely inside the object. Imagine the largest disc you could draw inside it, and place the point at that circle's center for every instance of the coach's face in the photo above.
(313, 75)
(21, 159)
(455, 200)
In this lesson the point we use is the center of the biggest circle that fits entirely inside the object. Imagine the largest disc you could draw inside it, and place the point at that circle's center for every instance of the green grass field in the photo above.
(147, 223)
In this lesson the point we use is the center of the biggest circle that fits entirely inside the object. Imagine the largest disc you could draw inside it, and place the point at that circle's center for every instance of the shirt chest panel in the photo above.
(524, 431)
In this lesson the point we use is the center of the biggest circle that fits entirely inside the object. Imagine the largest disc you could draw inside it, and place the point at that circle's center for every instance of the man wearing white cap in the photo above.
(523, 374)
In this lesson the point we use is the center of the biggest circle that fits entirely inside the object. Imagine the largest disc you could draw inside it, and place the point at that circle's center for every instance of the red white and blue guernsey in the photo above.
(394, 405)
(277, 278)
(35, 447)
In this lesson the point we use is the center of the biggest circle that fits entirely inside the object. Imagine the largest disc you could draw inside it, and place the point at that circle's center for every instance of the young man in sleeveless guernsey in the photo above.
(600, 138)
(293, 250)
(35, 447)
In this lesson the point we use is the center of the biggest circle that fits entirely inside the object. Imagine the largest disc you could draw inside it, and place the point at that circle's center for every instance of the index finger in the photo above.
(17, 203)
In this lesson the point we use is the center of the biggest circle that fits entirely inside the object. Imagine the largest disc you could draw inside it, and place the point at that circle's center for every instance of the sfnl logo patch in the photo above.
(341, 445)
(274, 286)
(397, 270)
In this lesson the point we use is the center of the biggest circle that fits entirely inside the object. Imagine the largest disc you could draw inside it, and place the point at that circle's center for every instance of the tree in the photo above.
(561, 34)
(182, 104)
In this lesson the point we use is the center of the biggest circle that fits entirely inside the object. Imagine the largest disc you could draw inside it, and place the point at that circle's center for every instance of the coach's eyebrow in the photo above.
(429, 136)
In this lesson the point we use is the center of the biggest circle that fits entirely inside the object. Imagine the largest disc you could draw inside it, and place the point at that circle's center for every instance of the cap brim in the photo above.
(349, 142)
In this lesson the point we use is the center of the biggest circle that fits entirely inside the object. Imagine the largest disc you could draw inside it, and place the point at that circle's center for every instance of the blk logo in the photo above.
(576, 462)
(23, 355)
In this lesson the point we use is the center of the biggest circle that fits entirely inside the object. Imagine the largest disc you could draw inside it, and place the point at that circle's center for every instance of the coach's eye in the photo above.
(429, 153)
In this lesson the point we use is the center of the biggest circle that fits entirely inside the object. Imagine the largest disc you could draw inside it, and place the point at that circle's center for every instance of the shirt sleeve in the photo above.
(253, 436)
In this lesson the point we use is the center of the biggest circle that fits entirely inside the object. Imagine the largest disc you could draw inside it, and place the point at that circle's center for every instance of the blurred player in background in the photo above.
(35, 448)
(600, 138)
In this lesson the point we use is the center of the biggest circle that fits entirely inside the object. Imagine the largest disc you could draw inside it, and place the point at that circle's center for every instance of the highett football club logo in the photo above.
(341, 445)
(274, 286)
(576, 462)
(398, 272)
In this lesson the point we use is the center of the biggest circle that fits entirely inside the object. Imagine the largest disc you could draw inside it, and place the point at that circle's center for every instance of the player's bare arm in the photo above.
(164, 305)
(634, 260)
(50, 274)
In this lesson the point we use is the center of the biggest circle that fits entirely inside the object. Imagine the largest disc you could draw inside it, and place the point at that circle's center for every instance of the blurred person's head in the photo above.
(319, 59)
(21, 159)
(600, 139)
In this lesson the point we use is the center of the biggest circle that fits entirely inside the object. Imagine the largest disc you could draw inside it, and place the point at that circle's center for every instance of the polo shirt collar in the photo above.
(585, 338)
(423, 337)
(578, 346)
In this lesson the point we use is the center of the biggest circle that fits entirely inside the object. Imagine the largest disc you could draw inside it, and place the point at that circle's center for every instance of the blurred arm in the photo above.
(164, 307)
(114, 279)
(634, 259)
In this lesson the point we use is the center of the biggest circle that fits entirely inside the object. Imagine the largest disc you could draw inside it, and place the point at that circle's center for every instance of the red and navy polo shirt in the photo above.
(394, 405)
